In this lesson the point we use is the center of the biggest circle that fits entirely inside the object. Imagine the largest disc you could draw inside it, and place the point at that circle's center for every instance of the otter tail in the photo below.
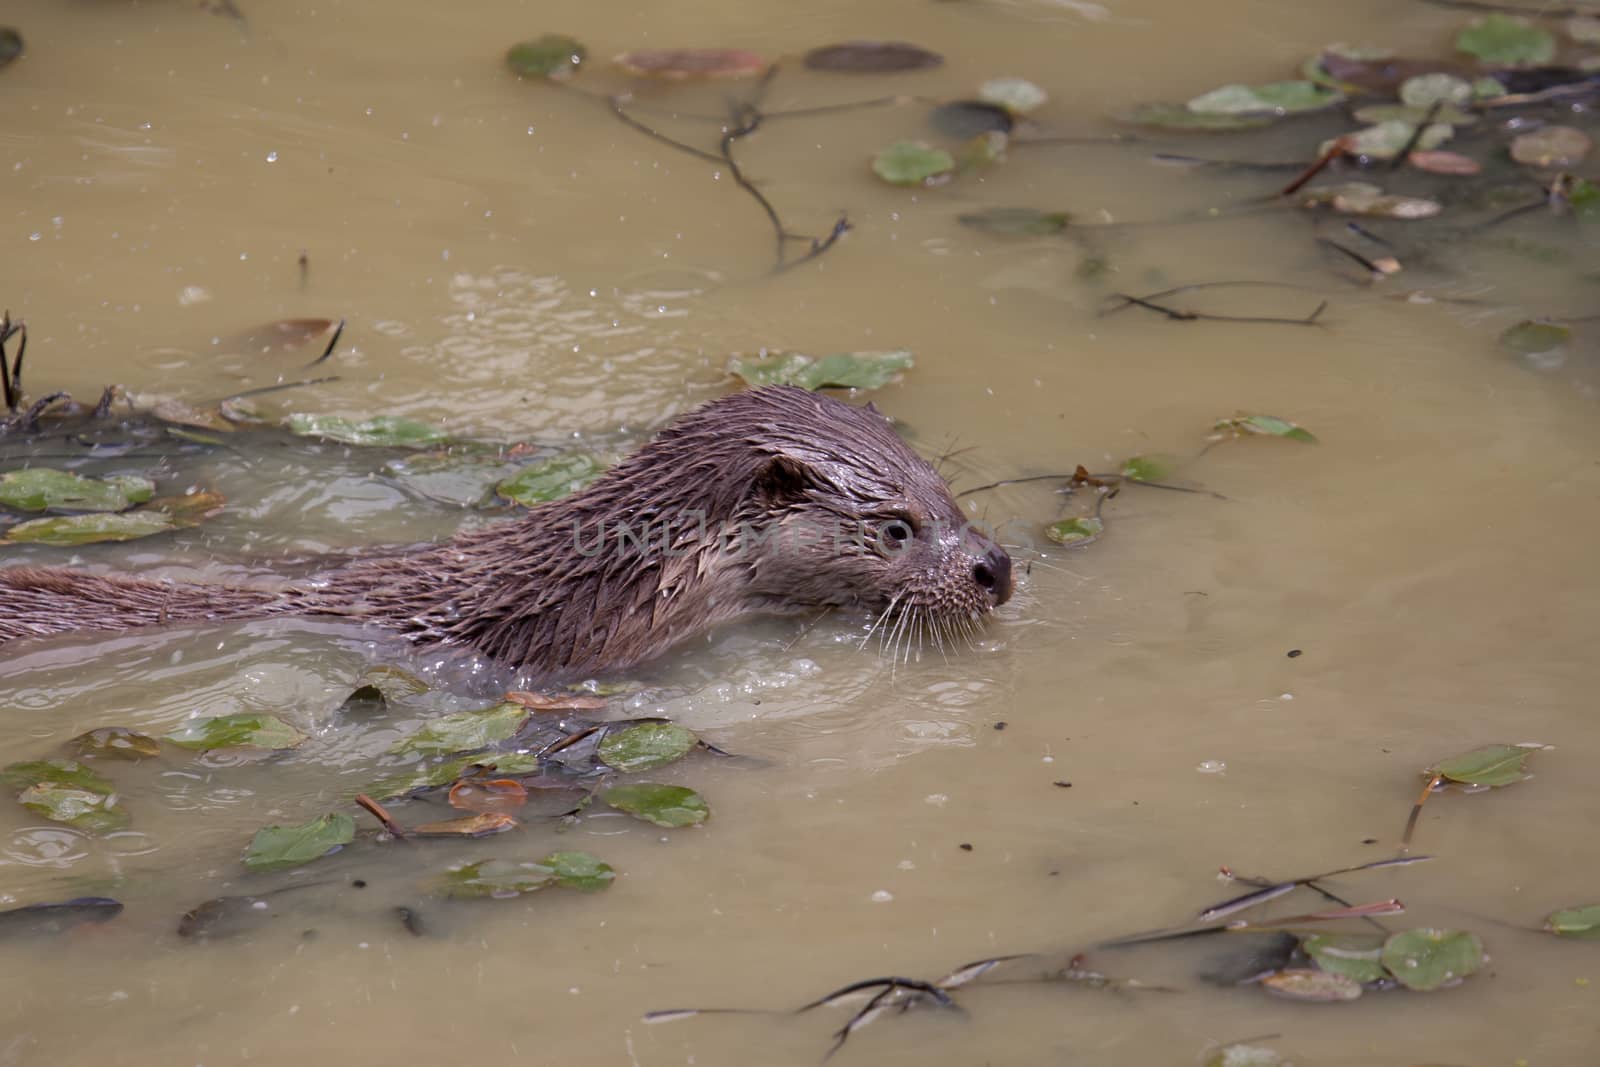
(35, 601)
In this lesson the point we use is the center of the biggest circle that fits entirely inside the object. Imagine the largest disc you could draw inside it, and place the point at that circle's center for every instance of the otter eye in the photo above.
(900, 528)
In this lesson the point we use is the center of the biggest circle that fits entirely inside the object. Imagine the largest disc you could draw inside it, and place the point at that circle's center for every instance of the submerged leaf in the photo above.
(191, 509)
(481, 824)
(83, 808)
(1425, 90)
(285, 335)
(969, 118)
(1438, 162)
(1425, 959)
(1075, 531)
(54, 771)
(1551, 146)
(10, 45)
(1240, 1055)
(1491, 765)
(34, 919)
(276, 847)
(1366, 199)
(1385, 140)
(1356, 956)
(646, 746)
(664, 805)
(68, 530)
(678, 64)
(1144, 469)
(871, 57)
(911, 163)
(1582, 924)
(1506, 40)
(1179, 117)
(383, 430)
(46, 489)
(244, 730)
(1535, 337)
(579, 870)
(555, 55)
(1447, 114)
(550, 479)
(463, 731)
(1264, 425)
(847, 370)
(499, 879)
(497, 795)
(1016, 221)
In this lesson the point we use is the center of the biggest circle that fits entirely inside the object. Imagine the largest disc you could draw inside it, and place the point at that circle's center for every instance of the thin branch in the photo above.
(332, 341)
(1179, 315)
(616, 102)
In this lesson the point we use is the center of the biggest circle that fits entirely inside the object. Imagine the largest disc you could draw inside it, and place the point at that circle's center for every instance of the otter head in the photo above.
(841, 512)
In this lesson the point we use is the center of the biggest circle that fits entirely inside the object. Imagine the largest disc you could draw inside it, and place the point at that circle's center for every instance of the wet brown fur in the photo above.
(770, 501)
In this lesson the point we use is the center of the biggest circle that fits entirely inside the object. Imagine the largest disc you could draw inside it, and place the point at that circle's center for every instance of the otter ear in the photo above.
(784, 480)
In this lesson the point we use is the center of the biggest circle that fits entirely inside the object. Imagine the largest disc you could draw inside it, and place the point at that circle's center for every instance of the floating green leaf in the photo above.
(849, 370)
(1491, 765)
(911, 163)
(1356, 956)
(1425, 959)
(1144, 469)
(83, 808)
(1307, 984)
(463, 731)
(190, 509)
(54, 771)
(431, 776)
(499, 879)
(383, 430)
(1551, 146)
(244, 730)
(550, 479)
(1016, 95)
(1075, 531)
(1016, 221)
(276, 847)
(1506, 40)
(115, 742)
(46, 489)
(1366, 199)
(664, 805)
(1425, 90)
(1535, 337)
(1582, 924)
(69, 530)
(1277, 98)
(1583, 196)
(1264, 425)
(459, 475)
(1385, 140)
(646, 746)
(579, 870)
(1179, 117)
(555, 55)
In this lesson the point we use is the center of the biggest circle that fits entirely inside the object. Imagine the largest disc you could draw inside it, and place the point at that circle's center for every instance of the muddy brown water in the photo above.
(515, 264)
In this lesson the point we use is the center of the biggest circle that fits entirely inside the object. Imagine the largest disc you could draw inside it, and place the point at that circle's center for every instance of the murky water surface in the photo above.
(515, 264)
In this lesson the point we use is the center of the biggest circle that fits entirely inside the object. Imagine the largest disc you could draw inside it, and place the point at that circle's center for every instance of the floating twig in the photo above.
(400, 833)
(1179, 315)
(332, 342)
(1416, 134)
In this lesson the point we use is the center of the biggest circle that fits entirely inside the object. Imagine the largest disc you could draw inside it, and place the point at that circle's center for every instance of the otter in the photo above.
(770, 501)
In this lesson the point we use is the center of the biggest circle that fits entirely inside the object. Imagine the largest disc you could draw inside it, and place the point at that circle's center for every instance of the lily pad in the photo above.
(498, 879)
(911, 163)
(1179, 117)
(646, 746)
(1385, 140)
(1308, 984)
(847, 370)
(1551, 146)
(555, 55)
(551, 479)
(1355, 956)
(1266, 426)
(69, 530)
(463, 731)
(579, 870)
(1535, 337)
(664, 805)
(47, 489)
(1016, 221)
(1017, 95)
(244, 730)
(1506, 40)
(1582, 924)
(1491, 765)
(1425, 959)
(680, 64)
(1075, 531)
(115, 742)
(1425, 90)
(969, 118)
(1368, 200)
(384, 430)
(871, 57)
(83, 808)
(277, 847)
(1275, 98)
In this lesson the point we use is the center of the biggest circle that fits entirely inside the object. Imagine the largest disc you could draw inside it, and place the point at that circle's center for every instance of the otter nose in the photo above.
(993, 573)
